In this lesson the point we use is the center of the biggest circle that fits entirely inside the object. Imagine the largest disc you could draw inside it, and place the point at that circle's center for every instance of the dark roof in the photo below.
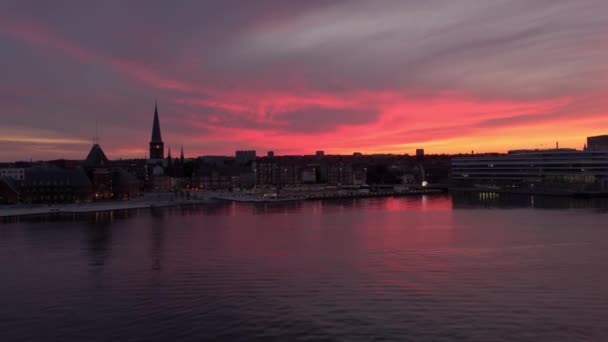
(52, 174)
(95, 158)
(156, 138)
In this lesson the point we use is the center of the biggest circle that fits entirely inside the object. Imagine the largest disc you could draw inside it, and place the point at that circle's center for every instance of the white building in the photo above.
(14, 173)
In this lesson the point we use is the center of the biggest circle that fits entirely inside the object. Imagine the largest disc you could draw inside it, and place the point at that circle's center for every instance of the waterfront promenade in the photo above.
(150, 200)
(317, 195)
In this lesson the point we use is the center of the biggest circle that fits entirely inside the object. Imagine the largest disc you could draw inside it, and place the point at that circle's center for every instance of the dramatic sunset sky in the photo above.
(295, 76)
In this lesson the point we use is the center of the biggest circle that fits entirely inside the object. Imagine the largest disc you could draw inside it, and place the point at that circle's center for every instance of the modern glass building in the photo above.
(555, 169)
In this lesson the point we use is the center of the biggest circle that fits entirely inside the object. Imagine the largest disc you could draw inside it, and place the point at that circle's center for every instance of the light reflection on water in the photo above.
(419, 268)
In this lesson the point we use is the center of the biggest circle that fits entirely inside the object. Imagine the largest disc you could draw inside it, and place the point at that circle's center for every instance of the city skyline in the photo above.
(295, 77)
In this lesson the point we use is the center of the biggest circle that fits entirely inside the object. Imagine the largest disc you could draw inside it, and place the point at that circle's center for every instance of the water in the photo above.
(472, 268)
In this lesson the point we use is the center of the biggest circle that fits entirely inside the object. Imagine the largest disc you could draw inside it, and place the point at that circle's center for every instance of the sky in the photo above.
(298, 76)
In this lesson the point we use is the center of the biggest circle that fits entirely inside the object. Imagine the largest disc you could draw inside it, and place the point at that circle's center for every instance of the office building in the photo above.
(597, 143)
(554, 169)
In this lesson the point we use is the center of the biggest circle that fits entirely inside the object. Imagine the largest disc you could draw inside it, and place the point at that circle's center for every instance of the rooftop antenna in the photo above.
(96, 137)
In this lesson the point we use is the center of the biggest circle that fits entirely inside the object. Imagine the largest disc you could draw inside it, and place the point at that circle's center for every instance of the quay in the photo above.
(148, 201)
(309, 196)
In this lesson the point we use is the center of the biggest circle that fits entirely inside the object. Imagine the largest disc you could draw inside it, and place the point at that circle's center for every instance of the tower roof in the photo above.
(156, 137)
(95, 158)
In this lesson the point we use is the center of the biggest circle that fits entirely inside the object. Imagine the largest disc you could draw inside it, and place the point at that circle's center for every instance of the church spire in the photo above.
(156, 137)
(157, 147)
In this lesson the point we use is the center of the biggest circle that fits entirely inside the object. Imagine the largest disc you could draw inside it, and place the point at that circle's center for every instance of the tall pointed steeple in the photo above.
(157, 147)
(156, 137)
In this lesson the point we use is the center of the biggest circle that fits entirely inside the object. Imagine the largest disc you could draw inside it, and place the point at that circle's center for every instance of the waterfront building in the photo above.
(124, 185)
(50, 184)
(215, 172)
(339, 174)
(565, 170)
(359, 176)
(109, 181)
(17, 174)
(309, 175)
(597, 143)
(96, 165)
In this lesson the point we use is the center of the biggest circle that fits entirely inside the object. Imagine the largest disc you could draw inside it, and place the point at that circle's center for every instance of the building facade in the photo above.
(246, 156)
(597, 143)
(50, 184)
(17, 174)
(556, 169)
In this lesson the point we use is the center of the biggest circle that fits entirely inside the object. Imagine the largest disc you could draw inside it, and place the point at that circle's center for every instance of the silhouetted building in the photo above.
(538, 170)
(124, 185)
(320, 153)
(309, 175)
(420, 153)
(597, 143)
(96, 165)
(157, 147)
(215, 172)
(96, 158)
(108, 181)
(340, 174)
(270, 154)
(243, 157)
(50, 184)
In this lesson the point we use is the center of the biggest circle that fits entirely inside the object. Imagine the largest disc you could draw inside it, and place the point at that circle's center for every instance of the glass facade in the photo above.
(557, 167)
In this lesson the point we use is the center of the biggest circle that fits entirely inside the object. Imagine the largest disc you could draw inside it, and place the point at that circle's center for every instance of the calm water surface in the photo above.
(471, 268)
